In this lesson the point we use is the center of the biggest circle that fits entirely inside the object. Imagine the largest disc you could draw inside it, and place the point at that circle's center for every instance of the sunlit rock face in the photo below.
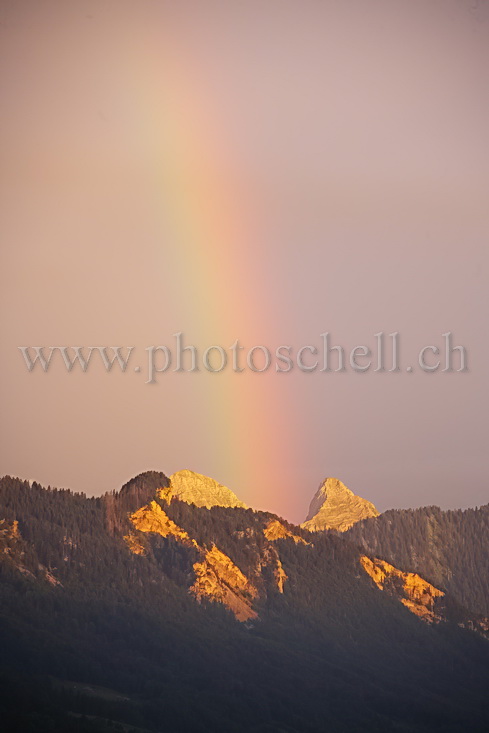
(270, 559)
(194, 488)
(280, 576)
(275, 530)
(134, 544)
(334, 506)
(413, 591)
(13, 550)
(152, 518)
(217, 578)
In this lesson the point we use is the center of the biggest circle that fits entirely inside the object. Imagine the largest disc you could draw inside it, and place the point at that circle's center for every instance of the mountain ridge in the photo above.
(155, 619)
(216, 577)
(446, 546)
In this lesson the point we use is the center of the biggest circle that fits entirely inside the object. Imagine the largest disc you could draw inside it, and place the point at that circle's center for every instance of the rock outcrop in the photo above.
(413, 591)
(217, 578)
(334, 506)
(275, 530)
(14, 552)
(270, 561)
(194, 488)
(152, 518)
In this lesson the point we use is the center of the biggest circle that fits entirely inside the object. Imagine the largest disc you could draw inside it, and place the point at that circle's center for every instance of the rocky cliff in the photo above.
(414, 592)
(217, 578)
(334, 506)
(202, 491)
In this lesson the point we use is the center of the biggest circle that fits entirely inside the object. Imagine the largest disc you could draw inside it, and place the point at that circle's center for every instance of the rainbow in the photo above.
(211, 218)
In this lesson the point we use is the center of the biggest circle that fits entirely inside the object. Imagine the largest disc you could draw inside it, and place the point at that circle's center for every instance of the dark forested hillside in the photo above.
(99, 627)
(449, 548)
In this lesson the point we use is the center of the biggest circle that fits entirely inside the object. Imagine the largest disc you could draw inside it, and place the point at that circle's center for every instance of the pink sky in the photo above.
(261, 171)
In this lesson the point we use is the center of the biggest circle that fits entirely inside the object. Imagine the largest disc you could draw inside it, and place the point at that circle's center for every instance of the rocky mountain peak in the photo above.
(334, 506)
(194, 488)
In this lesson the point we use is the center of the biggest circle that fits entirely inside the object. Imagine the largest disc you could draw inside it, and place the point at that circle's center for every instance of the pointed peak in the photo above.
(194, 488)
(332, 486)
(335, 506)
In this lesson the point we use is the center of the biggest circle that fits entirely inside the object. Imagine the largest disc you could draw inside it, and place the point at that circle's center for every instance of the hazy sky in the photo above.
(261, 171)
